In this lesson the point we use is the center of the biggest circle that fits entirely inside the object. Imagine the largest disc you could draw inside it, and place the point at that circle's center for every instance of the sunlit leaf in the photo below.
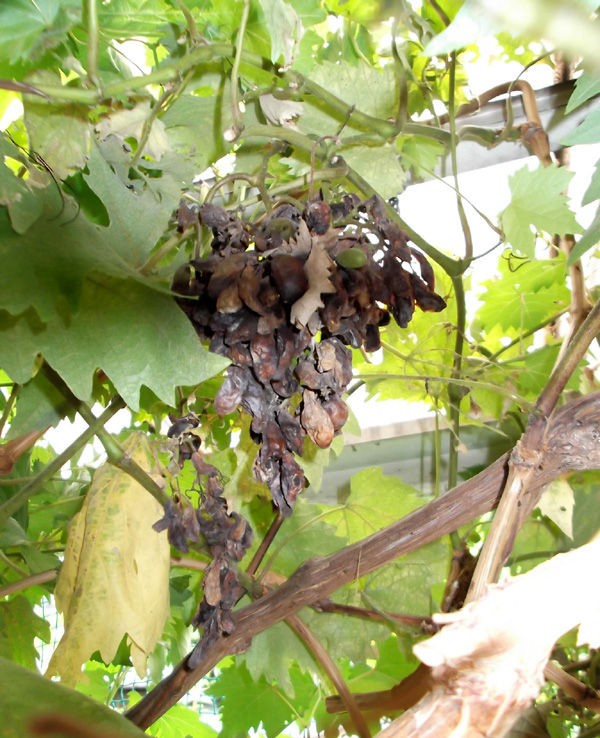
(59, 134)
(529, 292)
(588, 240)
(271, 654)
(27, 29)
(285, 29)
(586, 87)
(178, 721)
(122, 347)
(557, 503)
(372, 91)
(380, 166)
(124, 124)
(537, 201)
(586, 133)
(19, 627)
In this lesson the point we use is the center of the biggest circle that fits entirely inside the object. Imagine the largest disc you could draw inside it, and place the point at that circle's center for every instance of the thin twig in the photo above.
(92, 42)
(117, 457)
(9, 405)
(265, 543)
(114, 451)
(390, 618)
(40, 578)
(33, 487)
(236, 113)
(330, 668)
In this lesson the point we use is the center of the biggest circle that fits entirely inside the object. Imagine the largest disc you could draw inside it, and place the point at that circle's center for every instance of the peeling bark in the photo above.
(488, 662)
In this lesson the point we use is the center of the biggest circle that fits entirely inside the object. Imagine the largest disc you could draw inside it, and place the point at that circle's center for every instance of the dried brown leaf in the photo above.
(317, 268)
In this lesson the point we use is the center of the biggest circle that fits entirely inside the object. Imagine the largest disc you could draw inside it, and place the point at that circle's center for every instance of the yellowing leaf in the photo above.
(557, 503)
(115, 576)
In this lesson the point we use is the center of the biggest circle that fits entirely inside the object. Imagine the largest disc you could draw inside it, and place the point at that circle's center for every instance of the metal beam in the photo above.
(551, 105)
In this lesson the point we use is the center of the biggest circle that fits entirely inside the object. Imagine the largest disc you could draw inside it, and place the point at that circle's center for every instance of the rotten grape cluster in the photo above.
(283, 298)
(227, 535)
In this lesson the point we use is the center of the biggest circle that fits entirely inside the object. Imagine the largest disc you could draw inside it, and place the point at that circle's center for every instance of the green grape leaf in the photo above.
(285, 29)
(406, 586)
(413, 583)
(12, 533)
(586, 87)
(19, 627)
(185, 124)
(124, 124)
(420, 153)
(25, 695)
(311, 12)
(470, 23)
(271, 654)
(586, 133)
(358, 517)
(538, 200)
(534, 368)
(380, 166)
(347, 637)
(28, 29)
(12, 188)
(372, 91)
(137, 217)
(590, 238)
(47, 266)
(305, 532)
(593, 191)
(39, 405)
(528, 291)
(178, 722)
(586, 486)
(130, 18)
(100, 681)
(248, 704)
(59, 134)
(532, 544)
(121, 327)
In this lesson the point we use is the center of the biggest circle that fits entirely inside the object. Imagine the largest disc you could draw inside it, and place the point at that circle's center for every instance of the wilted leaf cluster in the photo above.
(282, 298)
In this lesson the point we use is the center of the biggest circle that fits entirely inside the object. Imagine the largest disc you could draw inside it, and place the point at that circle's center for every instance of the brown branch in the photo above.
(327, 663)
(401, 696)
(571, 444)
(517, 499)
(40, 578)
(264, 544)
(572, 687)
(424, 623)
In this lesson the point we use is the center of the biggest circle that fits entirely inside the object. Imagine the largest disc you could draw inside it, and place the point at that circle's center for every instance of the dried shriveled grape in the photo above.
(283, 298)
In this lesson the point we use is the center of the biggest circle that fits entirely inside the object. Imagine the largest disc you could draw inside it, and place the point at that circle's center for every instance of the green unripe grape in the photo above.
(352, 258)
